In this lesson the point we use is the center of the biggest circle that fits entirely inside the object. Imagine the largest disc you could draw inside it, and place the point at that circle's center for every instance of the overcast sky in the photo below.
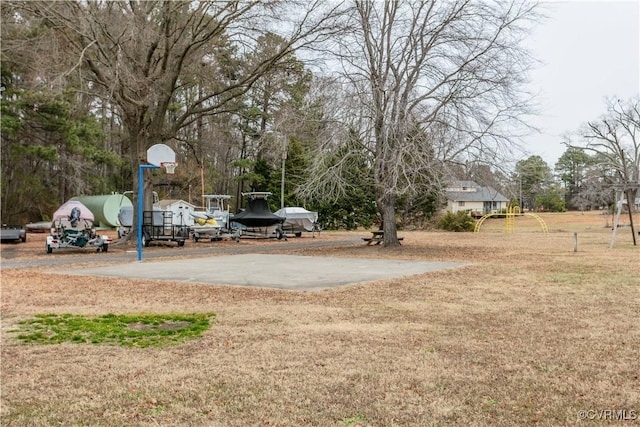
(590, 50)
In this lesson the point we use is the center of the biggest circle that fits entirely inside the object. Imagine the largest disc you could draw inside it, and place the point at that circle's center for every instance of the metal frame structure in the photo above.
(509, 220)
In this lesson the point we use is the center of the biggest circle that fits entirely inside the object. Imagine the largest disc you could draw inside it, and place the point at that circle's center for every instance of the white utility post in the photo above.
(284, 158)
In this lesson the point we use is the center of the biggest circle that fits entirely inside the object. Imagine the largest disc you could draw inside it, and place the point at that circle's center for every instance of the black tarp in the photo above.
(257, 214)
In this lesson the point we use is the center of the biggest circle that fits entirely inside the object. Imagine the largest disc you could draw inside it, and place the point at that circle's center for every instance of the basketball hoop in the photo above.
(170, 167)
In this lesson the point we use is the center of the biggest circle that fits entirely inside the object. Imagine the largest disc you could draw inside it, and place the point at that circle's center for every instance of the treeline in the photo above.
(243, 92)
(232, 116)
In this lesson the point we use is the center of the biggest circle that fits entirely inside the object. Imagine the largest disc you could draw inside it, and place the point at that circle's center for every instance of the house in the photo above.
(181, 211)
(469, 196)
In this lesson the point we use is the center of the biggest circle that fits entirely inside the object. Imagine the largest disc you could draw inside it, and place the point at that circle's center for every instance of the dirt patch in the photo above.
(164, 326)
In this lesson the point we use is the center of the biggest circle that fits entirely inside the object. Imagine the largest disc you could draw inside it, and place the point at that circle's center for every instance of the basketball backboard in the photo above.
(160, 153)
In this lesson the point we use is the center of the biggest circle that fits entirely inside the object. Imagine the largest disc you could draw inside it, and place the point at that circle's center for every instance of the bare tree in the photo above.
(137, 53)
(438, 81)
(615, 138)
(596, 189)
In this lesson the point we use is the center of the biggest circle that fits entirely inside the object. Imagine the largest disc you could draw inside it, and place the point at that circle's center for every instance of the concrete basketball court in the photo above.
(304, 273)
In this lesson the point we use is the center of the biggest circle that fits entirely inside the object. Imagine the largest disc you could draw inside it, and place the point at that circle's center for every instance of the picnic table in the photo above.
(377, 237)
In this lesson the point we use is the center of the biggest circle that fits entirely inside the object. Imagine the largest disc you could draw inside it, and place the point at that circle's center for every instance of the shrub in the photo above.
(459, 221)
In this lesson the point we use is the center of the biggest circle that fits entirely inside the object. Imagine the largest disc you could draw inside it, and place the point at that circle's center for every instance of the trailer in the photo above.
(13, 233)
(257, 220)
(206, 227)
(72, 227)
(297, 220)
(213, 223)
(158, 225)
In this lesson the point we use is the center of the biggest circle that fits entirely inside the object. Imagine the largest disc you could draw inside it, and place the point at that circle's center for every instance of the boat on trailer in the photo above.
(213, 223)
(257, 220)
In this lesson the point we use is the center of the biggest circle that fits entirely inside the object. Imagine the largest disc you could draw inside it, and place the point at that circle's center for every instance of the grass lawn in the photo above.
(532, 332)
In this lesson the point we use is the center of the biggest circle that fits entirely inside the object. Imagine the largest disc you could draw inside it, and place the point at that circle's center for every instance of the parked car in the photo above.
(13, 233)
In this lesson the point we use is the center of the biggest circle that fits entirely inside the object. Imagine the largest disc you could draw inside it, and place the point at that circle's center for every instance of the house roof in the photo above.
(478, 194)
(464, 184)
(164, 204)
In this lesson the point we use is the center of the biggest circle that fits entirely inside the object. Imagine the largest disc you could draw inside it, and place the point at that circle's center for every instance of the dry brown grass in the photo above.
(530, 333)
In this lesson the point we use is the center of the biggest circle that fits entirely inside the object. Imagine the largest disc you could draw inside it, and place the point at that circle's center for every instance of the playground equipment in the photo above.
(510, 219)
(624, 190)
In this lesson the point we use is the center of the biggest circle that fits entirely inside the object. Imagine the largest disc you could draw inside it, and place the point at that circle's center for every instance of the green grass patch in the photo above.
(149, 330)
(355, 419)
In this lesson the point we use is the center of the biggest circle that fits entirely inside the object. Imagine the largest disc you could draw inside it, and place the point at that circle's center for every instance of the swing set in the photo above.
(623, 190)
(510, 219)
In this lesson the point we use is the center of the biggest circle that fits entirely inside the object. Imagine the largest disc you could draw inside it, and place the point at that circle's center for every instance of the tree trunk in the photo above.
(138, 156)
(386, 206)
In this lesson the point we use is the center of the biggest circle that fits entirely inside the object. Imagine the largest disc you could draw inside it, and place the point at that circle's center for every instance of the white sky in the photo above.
(590, 50)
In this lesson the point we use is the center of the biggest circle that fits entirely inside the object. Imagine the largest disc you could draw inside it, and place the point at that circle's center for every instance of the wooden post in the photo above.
(616, 219)
(575, 242)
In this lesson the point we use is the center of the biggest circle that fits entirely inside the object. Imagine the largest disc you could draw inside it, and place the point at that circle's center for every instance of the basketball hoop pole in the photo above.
(158, 156)
(141, 169)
